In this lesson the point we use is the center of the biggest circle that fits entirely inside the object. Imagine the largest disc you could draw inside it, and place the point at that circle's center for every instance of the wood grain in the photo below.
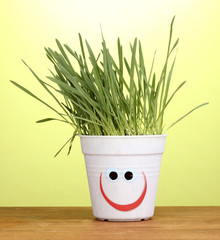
(56, 223)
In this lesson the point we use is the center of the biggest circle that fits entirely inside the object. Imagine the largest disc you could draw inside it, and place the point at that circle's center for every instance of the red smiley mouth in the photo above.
(125, 207)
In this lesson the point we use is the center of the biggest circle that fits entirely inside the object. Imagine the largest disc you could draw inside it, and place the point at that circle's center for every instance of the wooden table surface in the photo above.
(56, 223)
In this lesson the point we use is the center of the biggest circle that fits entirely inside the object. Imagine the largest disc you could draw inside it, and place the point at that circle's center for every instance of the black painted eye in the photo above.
(113, 175)
(128, 175)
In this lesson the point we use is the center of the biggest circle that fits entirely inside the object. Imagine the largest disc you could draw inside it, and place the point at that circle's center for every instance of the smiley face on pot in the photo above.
(129, 176)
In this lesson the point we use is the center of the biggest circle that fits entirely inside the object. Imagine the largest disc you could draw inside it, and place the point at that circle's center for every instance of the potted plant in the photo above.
(120, 122)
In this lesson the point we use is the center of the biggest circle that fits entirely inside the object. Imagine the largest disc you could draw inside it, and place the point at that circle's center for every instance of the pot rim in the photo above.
(123, 136)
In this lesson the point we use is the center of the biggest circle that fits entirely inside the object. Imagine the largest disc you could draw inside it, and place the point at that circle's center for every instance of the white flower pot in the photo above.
(123, 174)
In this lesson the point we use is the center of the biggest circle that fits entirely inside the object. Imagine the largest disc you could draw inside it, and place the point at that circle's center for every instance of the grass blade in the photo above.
(34, 96)
(51, 119)
(187, 114)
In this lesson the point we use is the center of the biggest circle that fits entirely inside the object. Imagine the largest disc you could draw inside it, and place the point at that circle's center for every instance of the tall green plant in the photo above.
(98, 100)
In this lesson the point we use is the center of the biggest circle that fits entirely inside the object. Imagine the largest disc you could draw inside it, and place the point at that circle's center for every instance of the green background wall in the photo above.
(29, 175)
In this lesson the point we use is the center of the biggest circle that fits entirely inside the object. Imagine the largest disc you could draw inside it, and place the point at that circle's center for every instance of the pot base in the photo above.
(123, 220)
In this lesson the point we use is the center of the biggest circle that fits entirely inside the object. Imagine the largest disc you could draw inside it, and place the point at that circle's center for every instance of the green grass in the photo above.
(98, 100)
